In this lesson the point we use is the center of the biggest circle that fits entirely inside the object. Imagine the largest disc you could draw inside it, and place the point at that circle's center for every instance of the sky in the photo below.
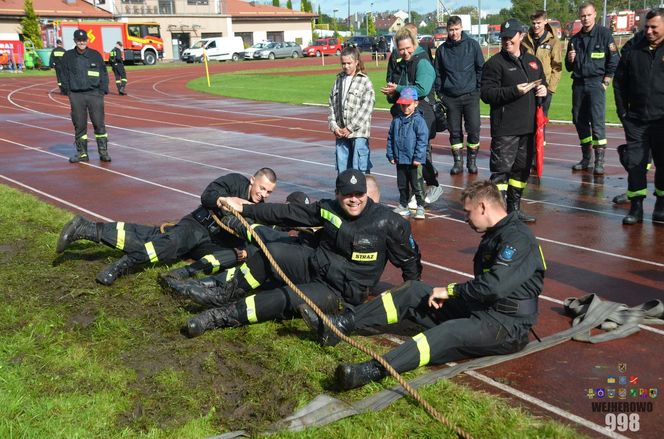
(421, 6)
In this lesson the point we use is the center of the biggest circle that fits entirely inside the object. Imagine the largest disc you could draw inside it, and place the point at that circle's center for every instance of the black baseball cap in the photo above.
(80, 35)
(351, 181)
(510, 28)
(297, 198)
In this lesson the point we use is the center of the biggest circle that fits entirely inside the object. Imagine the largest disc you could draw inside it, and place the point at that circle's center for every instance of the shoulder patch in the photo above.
(507, 253)
(612, 47)
(533, 65)
(411, 242)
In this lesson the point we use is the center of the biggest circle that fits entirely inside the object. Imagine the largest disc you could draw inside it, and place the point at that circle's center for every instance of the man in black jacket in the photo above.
(357, 239)
(639, 93)
(115, 58)
(488, 315)
(144, 244)
(55, 62)
(592, 57)
(459, 61)
(85, 80)
(511, 82)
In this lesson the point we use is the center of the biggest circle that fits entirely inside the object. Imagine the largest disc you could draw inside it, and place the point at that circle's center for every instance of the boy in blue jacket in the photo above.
(406, 148)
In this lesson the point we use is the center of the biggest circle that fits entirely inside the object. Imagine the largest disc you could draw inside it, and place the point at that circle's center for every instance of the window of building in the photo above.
(167, 7)
(211, 34)
(197, 2)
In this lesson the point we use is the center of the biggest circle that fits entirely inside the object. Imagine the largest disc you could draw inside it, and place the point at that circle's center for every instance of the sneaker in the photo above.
(433, 194)
(403, 211)
(412, 204)
(419, 213)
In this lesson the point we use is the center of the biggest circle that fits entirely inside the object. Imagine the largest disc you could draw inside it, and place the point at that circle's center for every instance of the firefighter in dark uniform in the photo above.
(592, 57)
(55, 62)
(85, 80)
(512, 80)
(639, 93)
(193, 235)
(488, 315)
(357, 239)
(115, 58)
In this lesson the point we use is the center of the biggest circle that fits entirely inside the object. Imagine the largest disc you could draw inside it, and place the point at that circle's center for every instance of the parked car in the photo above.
(249, 51)
(323, 46)
(428, 41)
(362, 42)
(279, 50)
(216, 49)
(494, 38)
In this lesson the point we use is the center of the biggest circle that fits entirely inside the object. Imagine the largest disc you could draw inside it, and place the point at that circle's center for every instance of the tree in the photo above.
(30, 25)
(275, 3)
(289, 4)
(372, 25)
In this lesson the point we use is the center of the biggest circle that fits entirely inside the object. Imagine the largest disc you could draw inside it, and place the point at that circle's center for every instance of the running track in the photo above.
(168, 142)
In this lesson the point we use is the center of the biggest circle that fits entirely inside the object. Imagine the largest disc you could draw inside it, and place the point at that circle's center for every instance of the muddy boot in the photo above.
(102, 147)
(621, 199)
(585, 159)
(81, 152)
(178, 273)
(350, 376)
(472, 160)
(658, 212)
(599, 161)
(76, 229)
(635, 214)
(207, 291)
(344, 322)
(114, 270)
(457, 168)
(224, 317)
(514, 205)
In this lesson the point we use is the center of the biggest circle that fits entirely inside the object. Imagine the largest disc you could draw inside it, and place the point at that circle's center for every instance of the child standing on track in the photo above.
(406, 148)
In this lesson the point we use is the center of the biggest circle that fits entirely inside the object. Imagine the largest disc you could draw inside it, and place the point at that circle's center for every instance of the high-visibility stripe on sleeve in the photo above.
(250, 302)
(251, 280)
(230, 273)
(249, 233)
(329, 216)
(214, 262)
(423, 346)
(152, 254)
(542, 256)
(659, 192)
(120, 240)
(390, 310)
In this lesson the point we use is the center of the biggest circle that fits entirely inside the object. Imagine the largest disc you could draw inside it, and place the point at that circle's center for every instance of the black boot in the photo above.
(514, 204)
(472, 160)
(121, 89)
(102, 147)
(178, 273)
(635, 214)
(114, 270)
(599, 161)
(206, 291)
(224, 317)
(658, 212)
(350, 376)
(344, 322)
(621, 199)
(585, 159)
(81, 152)
(76, 229)
(457, 168)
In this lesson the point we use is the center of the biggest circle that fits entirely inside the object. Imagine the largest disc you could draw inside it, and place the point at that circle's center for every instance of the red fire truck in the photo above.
(621, 23)
(142, 42)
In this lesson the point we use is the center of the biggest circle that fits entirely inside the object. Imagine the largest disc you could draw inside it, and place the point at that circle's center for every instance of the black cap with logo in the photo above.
(80, 35)
(351, 181)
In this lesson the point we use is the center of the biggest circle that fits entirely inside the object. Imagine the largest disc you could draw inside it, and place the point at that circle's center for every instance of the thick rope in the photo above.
(321, 315)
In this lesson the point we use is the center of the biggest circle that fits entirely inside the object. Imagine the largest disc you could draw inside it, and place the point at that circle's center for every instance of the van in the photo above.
(216, 49)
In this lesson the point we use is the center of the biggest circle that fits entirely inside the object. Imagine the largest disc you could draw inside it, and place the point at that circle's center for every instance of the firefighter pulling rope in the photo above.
(430, 409)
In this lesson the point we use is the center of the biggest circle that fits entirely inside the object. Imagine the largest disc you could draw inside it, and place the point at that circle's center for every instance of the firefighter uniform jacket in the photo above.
(549, 52)
(596, 54)
(84, 72)
(508, 267)
(229, 185)
(56, 58)
(115, 56)
(352, 252)
(512, 114)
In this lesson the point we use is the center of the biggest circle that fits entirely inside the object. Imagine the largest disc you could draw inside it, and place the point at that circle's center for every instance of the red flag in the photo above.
(540, 122)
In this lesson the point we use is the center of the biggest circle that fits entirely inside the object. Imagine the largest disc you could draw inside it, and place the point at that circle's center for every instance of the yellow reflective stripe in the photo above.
(99, 136)
(250, 302)
(517, 183)
(120, 240)
(659, 192)
(649, 167)
(251, 280)
(83, 137)
(542, 256)
(329, 216)
(58, 53)
(230, 273)
(213, 261)
(501, 186)
(423, 346)
(585, 140)
(450, 289)
(364, 256)
(599, 142)
(152, 254)
(390, 309)
(457, 146)
(93, 73)
(486, 270)
(597, 55)
(473, 145)
(124, 80)
(639, 193)
(249, 234)
(118, 81)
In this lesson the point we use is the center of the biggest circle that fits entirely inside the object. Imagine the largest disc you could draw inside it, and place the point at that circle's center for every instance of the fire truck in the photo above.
(141, 42)
(622, 23)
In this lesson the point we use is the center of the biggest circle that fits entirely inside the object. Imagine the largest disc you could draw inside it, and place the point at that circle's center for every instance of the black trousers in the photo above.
(643, 138)
(510, 161)
(120, 74)
(466, 108)
(409, 178)
(82, 104)
(451, 333)
(589, 112)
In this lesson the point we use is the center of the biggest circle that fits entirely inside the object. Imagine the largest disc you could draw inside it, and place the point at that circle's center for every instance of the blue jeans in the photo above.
(353, 153)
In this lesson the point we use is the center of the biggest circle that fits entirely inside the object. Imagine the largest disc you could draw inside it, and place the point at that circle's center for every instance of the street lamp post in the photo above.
(349, 15)
(334, 19)
(368, 15)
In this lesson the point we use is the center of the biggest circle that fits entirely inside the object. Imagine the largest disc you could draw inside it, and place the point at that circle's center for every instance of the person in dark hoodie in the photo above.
(459, 62)
(511, 82)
